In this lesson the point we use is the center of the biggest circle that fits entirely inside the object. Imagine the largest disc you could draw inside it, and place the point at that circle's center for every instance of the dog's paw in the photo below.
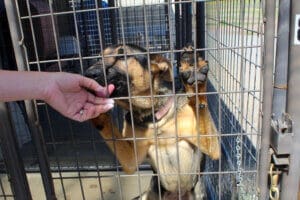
(188, 73)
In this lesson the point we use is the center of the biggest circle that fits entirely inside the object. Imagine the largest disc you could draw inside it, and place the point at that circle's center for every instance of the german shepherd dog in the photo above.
(172, 132)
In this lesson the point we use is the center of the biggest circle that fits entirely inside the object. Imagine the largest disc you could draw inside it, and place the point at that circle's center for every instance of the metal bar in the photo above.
(54, 144)
(34, 127)
(75, 151)
(239, 148)
(15, 33)
(77, 34)
(152, 52)
(166, 137)
(38, 138)
(100, 23)
(100, 29)
(112, 18)
(178, 31)
(55, 35)
(152, 106)
(188, 20)
(171, 39)
(120, 14)
(219, 79)
(97, 167)
(60, 69)
(12, 157)
(256, 75)
(33, 122)
(268, 64)
(184, 22)
(281, 63)
(35, 45)
(178, 28)
(200, 34)
(94, 9)
(290, 180)
(167, 174)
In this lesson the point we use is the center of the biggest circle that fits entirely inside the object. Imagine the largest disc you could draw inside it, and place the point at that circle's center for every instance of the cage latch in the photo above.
(282, 135)
(281, 143)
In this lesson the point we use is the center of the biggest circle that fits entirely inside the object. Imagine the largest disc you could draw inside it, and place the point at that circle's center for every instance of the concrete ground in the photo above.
(69, 187)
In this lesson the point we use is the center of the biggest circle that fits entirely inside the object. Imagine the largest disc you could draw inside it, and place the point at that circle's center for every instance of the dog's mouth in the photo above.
(111, 75)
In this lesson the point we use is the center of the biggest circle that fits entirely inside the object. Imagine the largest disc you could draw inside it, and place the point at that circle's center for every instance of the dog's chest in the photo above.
(177, 165)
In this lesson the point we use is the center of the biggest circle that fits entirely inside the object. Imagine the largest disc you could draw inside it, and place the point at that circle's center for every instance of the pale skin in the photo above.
(74, 96)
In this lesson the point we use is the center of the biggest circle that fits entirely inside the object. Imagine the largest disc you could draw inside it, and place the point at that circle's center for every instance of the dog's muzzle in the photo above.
(190, 76)
(112, 75)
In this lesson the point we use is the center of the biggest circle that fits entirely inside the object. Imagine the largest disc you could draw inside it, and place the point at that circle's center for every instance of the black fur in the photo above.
(190, 77)
(113, 76)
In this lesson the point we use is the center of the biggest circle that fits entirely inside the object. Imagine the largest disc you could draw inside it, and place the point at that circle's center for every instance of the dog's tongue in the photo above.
(164, 110)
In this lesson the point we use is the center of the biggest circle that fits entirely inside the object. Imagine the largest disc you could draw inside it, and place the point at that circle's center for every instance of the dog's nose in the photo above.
(93, 72)
(97, 73)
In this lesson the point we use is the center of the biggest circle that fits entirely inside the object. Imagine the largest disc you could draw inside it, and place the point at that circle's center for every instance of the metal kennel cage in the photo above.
(67, 160)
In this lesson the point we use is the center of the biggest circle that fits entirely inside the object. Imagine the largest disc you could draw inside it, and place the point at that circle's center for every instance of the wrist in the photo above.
(48, 83)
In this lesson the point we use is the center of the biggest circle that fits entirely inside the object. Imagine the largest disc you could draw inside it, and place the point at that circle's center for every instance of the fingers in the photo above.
(99, 100)
(91, 84)
(90, 111)
(103, 101)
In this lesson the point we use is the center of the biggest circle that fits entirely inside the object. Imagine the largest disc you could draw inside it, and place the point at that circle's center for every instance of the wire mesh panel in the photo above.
(88, 26)
(72, 35)
(132, 24)
(234, 29)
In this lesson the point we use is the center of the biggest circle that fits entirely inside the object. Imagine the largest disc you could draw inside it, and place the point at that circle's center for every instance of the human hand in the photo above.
(69, 94)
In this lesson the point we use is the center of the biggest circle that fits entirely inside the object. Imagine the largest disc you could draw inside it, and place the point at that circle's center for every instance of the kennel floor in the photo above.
(73, 187)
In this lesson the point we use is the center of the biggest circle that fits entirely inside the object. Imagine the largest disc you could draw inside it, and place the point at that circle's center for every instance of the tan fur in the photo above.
(208, 143)
(179, 126)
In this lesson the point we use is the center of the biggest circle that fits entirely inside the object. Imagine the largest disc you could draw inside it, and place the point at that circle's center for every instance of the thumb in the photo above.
(93, 86)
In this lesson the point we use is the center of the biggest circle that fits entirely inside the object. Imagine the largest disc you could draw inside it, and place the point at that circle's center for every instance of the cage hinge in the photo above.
(281, 137)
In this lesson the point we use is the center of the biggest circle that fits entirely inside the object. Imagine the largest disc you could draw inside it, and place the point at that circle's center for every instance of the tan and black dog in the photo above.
(171, 132)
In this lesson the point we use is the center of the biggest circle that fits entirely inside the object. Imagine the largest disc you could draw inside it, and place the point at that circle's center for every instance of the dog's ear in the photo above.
(162, 67)
(208, 143)
(108, 55)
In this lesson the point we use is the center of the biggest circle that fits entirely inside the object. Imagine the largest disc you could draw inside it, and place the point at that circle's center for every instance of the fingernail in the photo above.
(110, 101)
(109, 106)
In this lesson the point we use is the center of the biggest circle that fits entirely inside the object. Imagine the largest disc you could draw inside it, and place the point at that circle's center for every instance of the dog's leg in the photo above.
(208, 141)
(194, 81)
(123, 149)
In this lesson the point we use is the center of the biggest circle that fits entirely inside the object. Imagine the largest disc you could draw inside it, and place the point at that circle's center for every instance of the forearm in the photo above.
(16, 85)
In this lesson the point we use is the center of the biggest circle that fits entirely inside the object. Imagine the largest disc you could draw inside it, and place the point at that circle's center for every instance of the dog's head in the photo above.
(133, 74)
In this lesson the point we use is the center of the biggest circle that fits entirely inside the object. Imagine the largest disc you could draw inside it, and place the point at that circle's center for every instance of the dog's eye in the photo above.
(121, 51)
(120, 54)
